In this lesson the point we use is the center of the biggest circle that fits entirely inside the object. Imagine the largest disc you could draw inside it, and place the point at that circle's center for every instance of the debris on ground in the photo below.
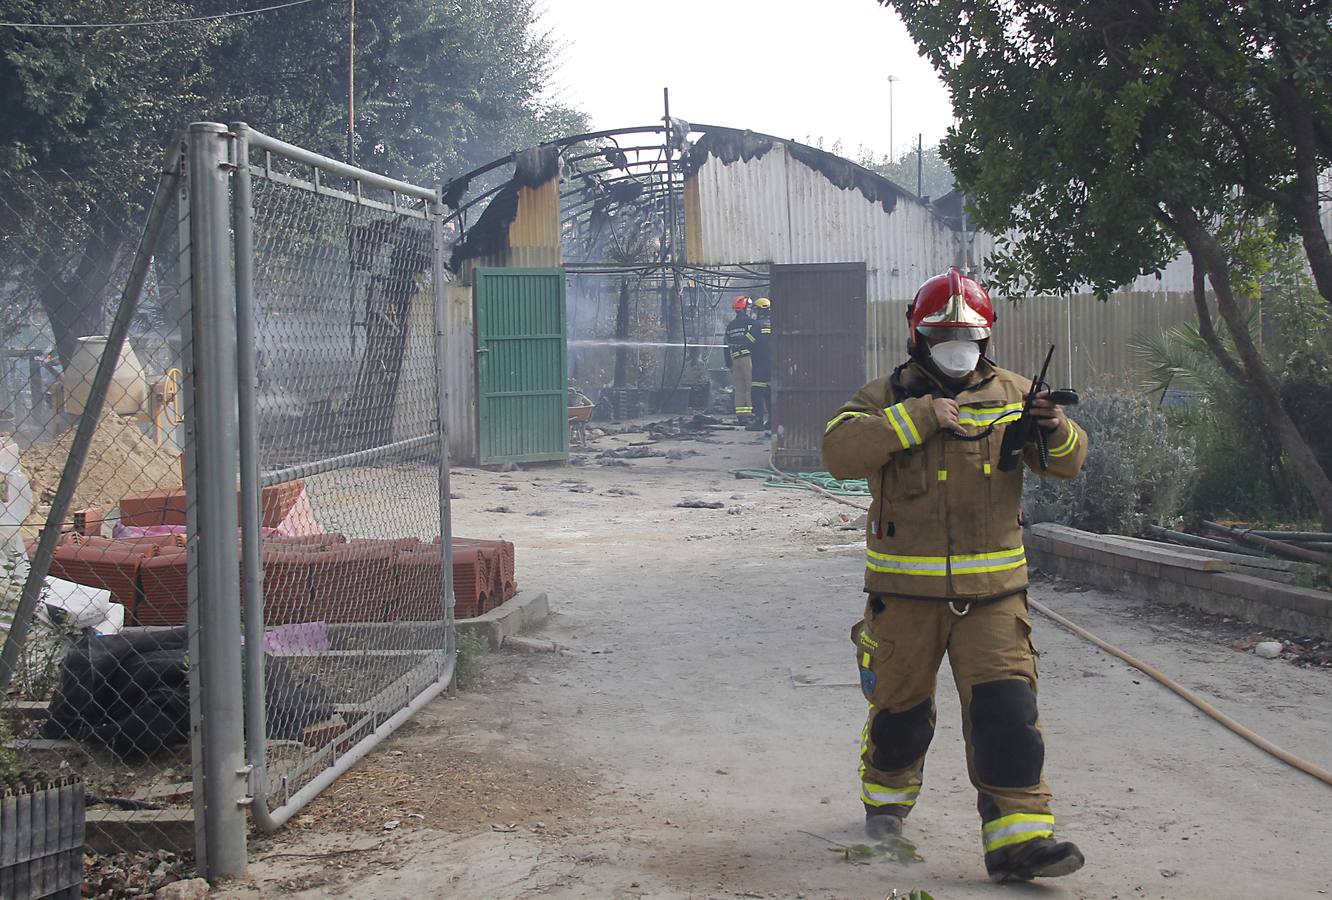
(498, 509)
(133, 874)
(699, 503)
(632, 452)
(1269, 649)
(694, 428)
(622, 463)
(845, 522)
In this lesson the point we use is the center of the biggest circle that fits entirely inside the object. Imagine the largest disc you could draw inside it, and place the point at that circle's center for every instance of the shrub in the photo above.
(1138, 470)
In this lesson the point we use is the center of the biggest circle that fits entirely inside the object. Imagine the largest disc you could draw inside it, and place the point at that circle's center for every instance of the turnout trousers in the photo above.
(899, 646)
(742, 379)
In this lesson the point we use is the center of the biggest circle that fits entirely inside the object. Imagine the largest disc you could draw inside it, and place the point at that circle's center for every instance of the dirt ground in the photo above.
(697, 737)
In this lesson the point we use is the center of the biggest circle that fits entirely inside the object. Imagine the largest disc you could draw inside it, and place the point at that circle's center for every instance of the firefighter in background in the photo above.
(740, 340)
(946, 572)
(762, 365)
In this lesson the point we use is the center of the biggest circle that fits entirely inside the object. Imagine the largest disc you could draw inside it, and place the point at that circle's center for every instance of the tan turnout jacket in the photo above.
(944, 521)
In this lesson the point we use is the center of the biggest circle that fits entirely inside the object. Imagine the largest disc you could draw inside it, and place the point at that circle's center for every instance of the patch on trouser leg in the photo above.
(901, 738)
(1005, 742)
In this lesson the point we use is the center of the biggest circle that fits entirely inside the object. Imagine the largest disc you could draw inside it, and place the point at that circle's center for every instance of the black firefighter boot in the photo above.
(881, 824)
(1038, 858)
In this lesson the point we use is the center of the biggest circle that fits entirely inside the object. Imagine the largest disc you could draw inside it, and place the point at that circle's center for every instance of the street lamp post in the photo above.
(891, 80)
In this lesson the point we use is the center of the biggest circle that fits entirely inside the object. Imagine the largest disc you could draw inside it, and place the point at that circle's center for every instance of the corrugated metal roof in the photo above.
(779, 210)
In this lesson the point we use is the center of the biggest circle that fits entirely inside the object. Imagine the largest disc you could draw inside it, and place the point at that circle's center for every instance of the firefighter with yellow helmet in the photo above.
(946, 573)
(762, 365)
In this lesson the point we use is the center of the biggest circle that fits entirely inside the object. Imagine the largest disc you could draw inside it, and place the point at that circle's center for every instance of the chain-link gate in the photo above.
(228, 563)
(344, 463)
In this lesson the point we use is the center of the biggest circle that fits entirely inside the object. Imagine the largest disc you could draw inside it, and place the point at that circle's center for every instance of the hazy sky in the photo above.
(803, 70)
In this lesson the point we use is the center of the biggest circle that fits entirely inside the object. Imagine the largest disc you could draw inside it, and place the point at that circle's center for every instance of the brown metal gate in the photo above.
(818, 353)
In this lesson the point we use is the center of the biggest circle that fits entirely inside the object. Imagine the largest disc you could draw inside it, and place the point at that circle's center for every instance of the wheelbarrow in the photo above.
(579, 414)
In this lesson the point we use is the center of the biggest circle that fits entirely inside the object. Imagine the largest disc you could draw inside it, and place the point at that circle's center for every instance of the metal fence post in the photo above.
(256, 699)
(213, 545)
(437, 269)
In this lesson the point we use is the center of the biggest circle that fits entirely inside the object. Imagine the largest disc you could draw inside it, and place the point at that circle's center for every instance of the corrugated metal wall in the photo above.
(1100, 333)
(776, 209)
(779, 210)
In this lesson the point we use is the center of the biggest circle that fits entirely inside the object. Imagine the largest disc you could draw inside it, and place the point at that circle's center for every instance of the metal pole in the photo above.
(252, 575)
(1068, 319)
(40, 564)
(920, 166)
(213, 545)
(183, 261)
(676, 300)
(437, 269)
(892, 158)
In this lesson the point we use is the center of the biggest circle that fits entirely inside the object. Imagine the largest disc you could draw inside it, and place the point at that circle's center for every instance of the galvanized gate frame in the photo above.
(243, 139)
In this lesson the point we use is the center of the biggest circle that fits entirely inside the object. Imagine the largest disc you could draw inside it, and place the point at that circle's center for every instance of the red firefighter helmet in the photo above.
(740, 304)
(954, 304)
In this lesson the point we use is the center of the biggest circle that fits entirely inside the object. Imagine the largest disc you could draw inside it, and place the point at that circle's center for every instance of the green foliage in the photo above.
(441, 85)
(10, 765)
(472, 647)
(1079, 124)
(1138, 470)
(1243, 472)
(907, 170)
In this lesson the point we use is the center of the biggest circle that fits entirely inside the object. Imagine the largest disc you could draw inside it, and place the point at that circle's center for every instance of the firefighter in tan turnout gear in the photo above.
(946, 573)
(740, 339)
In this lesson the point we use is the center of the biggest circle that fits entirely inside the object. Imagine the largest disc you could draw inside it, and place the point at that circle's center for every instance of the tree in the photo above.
(85, 114)
(84, 118)
(938, 178)
(1106, 136)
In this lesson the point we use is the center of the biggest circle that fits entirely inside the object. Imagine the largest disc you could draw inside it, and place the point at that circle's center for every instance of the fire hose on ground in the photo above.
(1155, 674)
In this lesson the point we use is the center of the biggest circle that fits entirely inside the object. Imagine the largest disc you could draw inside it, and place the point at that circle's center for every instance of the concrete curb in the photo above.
(1267, 603)
(114, 830)
(526, 609)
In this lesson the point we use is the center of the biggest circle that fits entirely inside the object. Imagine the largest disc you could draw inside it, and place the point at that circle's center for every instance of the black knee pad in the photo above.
(902, 738)
(1005, 742)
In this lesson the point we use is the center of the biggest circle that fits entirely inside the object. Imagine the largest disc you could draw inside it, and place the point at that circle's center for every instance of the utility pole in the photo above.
(920, 165)
(892, 157)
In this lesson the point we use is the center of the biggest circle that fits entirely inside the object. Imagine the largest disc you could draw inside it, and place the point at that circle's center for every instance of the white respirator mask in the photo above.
(956, 359)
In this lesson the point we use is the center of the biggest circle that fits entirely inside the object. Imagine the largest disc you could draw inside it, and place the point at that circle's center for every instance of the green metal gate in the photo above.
(521, 363)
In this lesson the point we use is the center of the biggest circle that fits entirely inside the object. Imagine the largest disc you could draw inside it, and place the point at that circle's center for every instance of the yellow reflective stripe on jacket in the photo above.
(902, 424)
(1068, 446)
(960, 564)
(1015, 829)
(838, 420)
(998, 561)
(906, 565)
(989, 415)
(881, 795)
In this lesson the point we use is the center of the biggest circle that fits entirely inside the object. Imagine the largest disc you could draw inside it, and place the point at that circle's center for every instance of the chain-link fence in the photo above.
(228, 584)
(91, 693)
